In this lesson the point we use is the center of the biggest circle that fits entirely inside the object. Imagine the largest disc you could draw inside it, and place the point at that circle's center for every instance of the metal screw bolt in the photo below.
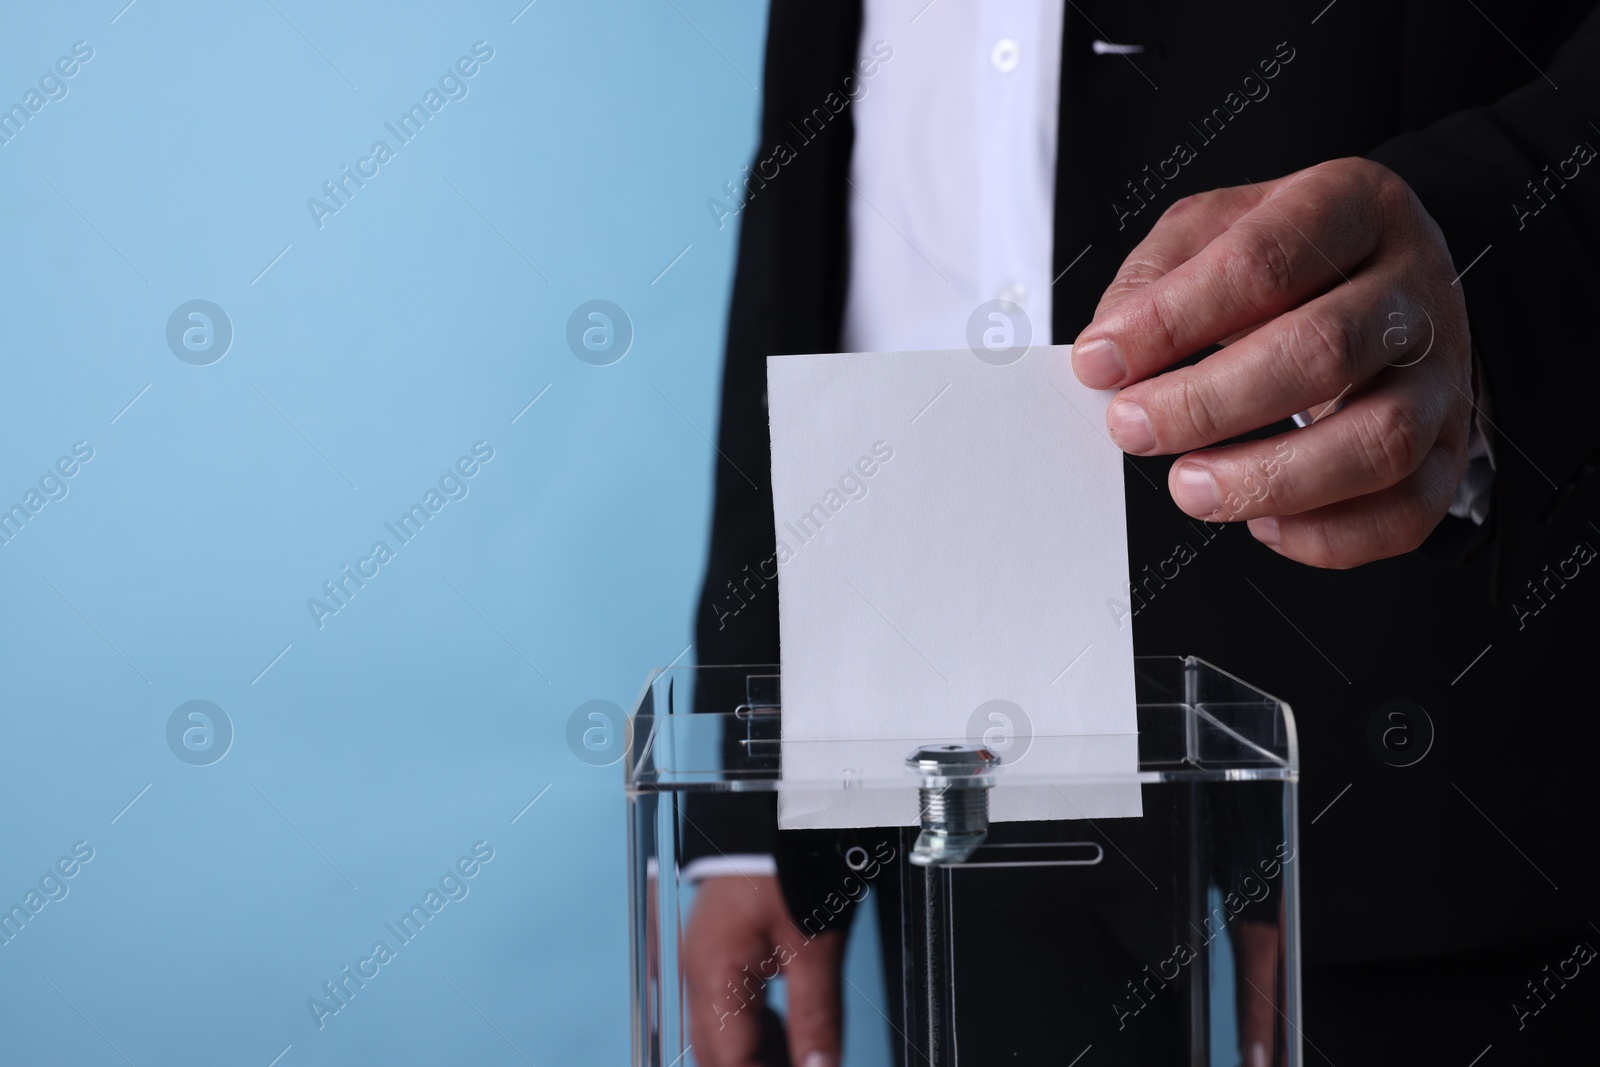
(954, 801)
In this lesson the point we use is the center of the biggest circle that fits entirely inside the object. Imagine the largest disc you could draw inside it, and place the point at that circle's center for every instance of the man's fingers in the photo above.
(1296, 242)
(1179, 235)
(1297, 362)
(813, 997)
(1258, 950)
(1377, 526)
(1375, 441)
(724, 1019)
(729, 931)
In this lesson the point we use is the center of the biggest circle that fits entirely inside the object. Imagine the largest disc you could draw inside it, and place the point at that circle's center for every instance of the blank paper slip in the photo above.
(950, 533)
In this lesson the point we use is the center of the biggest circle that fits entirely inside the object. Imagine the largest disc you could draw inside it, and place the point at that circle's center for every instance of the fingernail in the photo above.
(1098, 363)
(1258, 1055)
(1130, 427)
(818, 1059)
(1265, 530)
(1195, 491)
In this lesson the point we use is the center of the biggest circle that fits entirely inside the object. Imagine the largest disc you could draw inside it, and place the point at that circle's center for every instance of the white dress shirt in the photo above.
(954, 170)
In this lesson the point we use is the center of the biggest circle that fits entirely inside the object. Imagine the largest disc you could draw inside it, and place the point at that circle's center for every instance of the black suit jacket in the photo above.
(1490, 838)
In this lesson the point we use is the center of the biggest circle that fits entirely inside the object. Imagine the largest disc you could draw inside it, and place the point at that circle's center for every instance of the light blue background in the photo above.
(421, 718)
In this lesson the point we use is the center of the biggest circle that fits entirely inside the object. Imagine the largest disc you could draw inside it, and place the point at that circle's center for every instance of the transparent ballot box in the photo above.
(1169, 937)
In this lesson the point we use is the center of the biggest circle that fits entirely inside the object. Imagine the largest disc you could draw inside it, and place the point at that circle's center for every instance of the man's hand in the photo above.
(1258, 949)
(739, 938)
(1327, 287)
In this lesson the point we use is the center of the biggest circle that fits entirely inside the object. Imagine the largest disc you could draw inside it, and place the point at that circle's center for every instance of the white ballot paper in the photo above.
(951, 544)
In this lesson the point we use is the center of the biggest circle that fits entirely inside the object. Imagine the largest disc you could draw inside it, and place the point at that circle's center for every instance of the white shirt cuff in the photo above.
(1472, 493)
(748, 865)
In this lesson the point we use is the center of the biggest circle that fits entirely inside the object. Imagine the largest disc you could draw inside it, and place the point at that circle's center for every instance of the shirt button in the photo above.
(1015, 293)
(1005, 55)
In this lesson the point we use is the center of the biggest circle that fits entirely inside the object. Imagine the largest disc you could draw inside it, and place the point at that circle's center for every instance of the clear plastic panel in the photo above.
(1169, 938)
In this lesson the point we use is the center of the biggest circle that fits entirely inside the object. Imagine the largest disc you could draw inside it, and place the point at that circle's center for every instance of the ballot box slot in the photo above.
(1036, 854)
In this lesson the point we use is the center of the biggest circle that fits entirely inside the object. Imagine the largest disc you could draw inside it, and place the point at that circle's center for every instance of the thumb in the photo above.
(813, 980)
